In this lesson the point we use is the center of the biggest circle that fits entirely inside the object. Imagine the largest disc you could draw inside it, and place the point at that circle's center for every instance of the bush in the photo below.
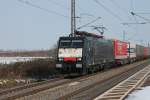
(42, 68)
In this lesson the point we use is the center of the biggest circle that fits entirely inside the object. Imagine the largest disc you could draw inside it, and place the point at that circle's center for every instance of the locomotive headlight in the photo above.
(79, 59)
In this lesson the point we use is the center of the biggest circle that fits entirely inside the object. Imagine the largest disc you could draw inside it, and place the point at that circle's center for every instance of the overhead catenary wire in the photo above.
(65, 7)
(89, 23)
(68, 8)
(100, 29)
(108, 10)
(136, 21)
(132, 6)
(143, 12)
(41, 8)
(59, 4)
(125, 11)
(79, 7)
(87, 14)
(112, 13)
(83, 12)
(133, 23)
(146, 19)
(134, 15)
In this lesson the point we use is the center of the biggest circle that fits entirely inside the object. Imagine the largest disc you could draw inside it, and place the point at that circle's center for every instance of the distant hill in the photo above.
(36, 53)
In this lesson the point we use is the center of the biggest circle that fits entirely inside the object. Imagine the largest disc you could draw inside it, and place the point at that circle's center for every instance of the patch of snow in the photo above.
(1, 83)
(8, 60)
(143, 94)
(74, 83)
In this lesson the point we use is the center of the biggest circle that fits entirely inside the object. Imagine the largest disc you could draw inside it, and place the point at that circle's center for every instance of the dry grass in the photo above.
(42, 68)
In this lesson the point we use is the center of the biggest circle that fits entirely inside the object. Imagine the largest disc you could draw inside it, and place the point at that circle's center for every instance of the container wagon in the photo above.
(139, 52)
(120, 51)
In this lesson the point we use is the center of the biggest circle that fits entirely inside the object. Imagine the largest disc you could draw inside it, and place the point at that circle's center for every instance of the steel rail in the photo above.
(69, 90)
(120, 91)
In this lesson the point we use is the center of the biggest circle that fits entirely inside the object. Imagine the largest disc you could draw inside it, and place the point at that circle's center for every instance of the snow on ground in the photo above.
(143, 94)
(8, 60)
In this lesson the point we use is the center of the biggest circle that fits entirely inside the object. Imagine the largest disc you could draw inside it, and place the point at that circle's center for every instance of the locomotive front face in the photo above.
(70, 52)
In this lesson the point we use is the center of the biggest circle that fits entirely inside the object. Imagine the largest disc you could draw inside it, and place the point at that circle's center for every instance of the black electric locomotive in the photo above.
(84, 53)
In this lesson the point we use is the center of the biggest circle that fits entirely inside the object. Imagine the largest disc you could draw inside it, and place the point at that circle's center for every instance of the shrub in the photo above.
(41, 68)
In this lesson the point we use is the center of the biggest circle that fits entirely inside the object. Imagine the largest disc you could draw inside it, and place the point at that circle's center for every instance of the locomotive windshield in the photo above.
(65, 43)
(71, 43)
(70, 48)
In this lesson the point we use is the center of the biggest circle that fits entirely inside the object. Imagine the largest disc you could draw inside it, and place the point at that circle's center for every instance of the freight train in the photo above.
(87, 53)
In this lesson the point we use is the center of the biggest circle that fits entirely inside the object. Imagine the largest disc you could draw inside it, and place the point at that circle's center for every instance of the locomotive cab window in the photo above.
(71, 43)
(65, 43)
(77, 43)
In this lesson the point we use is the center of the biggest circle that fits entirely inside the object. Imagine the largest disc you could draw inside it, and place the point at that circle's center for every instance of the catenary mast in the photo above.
(73, 18)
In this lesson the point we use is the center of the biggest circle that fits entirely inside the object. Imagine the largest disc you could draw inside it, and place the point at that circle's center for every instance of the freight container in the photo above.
(145, 52)
(148, 51)
(139, 52)
(120, 49)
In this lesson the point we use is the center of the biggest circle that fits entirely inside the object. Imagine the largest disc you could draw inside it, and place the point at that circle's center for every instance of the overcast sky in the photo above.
(37, 24)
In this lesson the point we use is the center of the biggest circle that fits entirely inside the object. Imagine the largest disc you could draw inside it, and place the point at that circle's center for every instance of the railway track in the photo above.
(120, 91)
(32, 88)
(93, 90)
(81, 87)
(20, 87)
(29, 89)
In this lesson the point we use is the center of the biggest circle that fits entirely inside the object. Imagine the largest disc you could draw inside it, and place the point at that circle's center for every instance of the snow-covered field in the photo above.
(8, 60)
(143, 94)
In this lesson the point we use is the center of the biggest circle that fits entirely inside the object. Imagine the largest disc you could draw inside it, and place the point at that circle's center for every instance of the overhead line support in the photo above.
(73, 18)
